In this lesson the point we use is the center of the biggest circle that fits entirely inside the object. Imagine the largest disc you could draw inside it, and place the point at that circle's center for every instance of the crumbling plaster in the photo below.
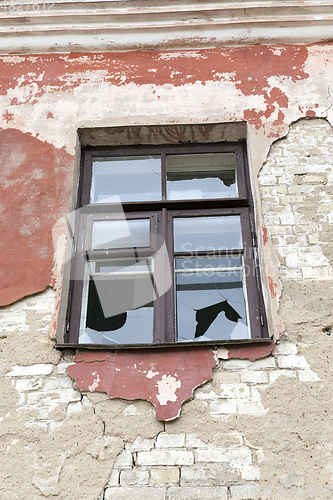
(275, 411)
(48, 97)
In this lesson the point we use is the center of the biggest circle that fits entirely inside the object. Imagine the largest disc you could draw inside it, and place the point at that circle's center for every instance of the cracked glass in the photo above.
(119, 298)
(210, 299)
(201, 176)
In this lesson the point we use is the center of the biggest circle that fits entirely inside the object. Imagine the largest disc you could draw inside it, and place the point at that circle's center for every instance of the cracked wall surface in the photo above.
(260, 428)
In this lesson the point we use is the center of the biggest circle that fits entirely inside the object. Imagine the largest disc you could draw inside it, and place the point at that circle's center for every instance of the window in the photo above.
(164, 248)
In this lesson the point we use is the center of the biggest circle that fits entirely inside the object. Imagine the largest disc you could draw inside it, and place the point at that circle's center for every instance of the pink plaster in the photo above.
(165, 377)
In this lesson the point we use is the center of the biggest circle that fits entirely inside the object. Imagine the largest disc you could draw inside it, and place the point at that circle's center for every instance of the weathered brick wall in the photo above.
(256, 427)
(297, 205)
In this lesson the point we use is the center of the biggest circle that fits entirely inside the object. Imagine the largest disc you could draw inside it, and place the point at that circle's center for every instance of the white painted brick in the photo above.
(306, 260)
(49, 397)
(274, 375)
(192, 441)
(135, 493)
(165, 440)
(254, 377)
(236, 364)
(314, 250)
(292, 361)
(44, 412)
(35, 397)
(197, 493)
(133, 477)
(319, 273)
(166, 457)
(250, 408)
(267, 180)
(124, 459)
(210, 474)
(284, 230)
(52, 383)
(223, 407)
(275, 170)
(255, 394)
(307, 376)
(140, 445)
(12, 320)
(236, 456)
(245, 491)
(285, 348)
(226, 377)
(234, 391)
(114, 478)
(68, 395)
(250, 473)
(164, 476)
(291, 274)
(28, 384)
(30, 371)
(61, 369)
(262, 364)
(200, 394)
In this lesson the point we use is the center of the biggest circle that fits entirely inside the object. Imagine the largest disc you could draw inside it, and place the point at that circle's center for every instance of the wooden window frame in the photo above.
(161, 214)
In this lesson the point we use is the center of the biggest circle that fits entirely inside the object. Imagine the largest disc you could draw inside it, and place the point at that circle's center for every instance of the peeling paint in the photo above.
(123, 374)
(272, 287)
(36, 182)
(167, 388)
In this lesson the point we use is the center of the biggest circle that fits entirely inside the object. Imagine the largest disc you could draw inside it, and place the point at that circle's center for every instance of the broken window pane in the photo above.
(210, 299)
(120, 234)
(201, 176)
(207, 233)
(131, 178)
(119, 303)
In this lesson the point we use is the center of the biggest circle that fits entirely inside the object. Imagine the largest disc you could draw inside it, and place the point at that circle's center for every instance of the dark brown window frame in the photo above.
(161, 214)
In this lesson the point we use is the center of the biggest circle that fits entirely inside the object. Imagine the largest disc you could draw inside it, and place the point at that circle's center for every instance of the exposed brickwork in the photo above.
(178, 461)
(297, 201)
(168, 465)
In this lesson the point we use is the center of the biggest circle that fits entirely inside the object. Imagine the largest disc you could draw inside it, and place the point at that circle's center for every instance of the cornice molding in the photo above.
(107, 25)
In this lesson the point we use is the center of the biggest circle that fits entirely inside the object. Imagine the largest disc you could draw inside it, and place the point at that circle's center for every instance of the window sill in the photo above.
(242, 348)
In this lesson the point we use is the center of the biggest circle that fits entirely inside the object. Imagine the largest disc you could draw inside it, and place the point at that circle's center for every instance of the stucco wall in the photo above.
(258, 426)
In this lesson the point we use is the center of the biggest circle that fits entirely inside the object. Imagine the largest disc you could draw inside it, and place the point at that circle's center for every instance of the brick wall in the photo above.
(77, 445)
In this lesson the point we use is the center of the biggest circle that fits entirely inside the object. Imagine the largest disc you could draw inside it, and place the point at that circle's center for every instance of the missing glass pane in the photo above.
(210, 300)
(120, 322)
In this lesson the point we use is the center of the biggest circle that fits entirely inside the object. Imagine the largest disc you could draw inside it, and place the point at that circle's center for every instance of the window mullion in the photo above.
(163, 179)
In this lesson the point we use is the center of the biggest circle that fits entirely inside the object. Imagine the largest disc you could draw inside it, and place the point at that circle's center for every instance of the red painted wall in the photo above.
(36, 176)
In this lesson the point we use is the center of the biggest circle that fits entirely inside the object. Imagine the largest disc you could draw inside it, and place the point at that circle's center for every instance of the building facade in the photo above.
(239, 420)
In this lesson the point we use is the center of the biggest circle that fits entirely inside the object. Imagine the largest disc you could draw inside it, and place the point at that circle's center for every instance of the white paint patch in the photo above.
(152, 374)
(221, 353)
(276, 51)
(175, 55)
(167, 387)
(94, 385)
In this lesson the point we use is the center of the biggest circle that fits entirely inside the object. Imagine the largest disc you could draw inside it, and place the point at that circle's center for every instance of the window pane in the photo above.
(120, 299)
(131, 178)
(207, 263)
(201, 176)
(210, 300)
(120, 234)
(207, 233)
